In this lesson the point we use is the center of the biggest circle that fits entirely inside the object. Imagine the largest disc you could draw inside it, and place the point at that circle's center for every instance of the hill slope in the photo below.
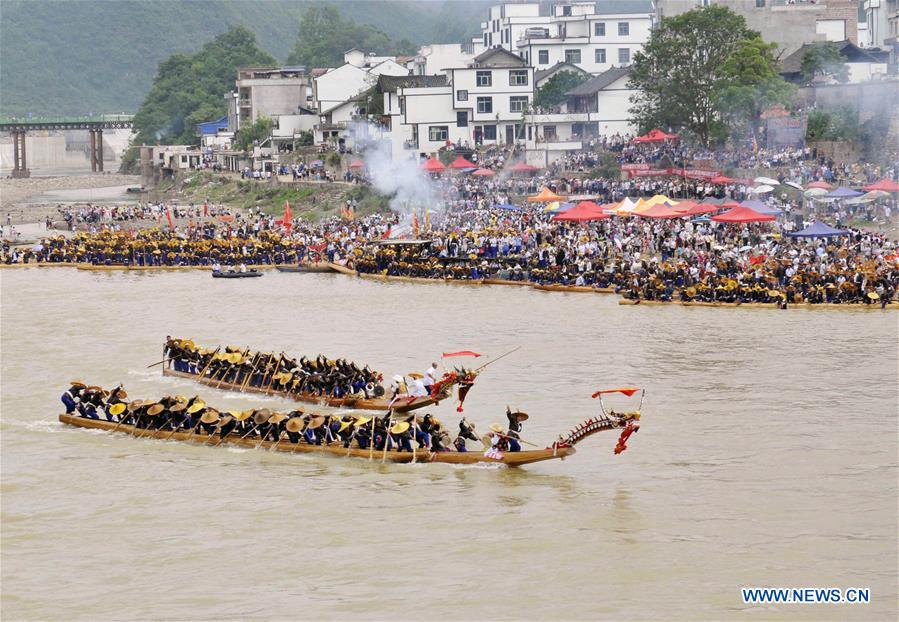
(63, 57)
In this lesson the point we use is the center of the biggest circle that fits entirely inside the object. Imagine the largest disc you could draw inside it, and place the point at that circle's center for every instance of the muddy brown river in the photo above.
(767, 457)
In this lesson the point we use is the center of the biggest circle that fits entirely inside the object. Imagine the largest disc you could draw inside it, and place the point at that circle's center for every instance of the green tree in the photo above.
(253, 133)
(749, 83)
(325, 35)
(679, 70)
(552, 93)
(189, 88)
(824, 59)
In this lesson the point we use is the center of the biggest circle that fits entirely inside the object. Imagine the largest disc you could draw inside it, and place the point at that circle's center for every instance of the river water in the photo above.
(767, 457)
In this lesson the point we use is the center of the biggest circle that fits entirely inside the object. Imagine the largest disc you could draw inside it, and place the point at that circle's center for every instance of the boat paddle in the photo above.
(209, 364)
(515, 349)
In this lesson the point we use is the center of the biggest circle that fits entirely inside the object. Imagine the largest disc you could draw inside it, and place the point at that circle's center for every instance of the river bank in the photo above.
(16, 195)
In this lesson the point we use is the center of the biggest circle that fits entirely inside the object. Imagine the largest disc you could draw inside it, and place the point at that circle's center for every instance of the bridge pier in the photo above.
(97, 150)
(20, 168)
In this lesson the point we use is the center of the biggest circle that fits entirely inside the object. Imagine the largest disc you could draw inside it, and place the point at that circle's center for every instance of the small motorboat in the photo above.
(233, 274)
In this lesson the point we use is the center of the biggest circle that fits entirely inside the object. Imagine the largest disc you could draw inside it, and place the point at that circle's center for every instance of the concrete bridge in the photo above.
(18, 127)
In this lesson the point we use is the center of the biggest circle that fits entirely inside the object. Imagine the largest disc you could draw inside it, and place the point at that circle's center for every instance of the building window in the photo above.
(462, 118)
(509, 35)
(485, 104)
(600, 55)
(542, 57)
(485, 40)
(402, 105)
(518, 104)
(489, 132)
(760, 4)
(438, 133)
(184, 159)
(624, 55)
(566, 11)
(462, 95)
(573, 56)
(484, 78)
(518, 77)
(624, 29)
(549, 132)
(599, 29)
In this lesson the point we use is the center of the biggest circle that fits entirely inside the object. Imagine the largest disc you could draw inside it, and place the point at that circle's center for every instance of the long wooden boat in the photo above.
(115, 267)
(401, 405)
(508, 282)
(560, 449)
(41, 264)
(336, 267)
(574, 289)
(307, 267)
(752, 305)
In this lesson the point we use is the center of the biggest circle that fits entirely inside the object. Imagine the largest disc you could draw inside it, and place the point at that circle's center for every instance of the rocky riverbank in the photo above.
(14, 192)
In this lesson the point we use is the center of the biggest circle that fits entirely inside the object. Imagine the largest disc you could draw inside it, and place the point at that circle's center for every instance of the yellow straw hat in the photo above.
(496, 427)
(196, 407)
(361, 421)
(155, 409)
(210, 416)
(295, 424)
(400, 427)
(117, 409)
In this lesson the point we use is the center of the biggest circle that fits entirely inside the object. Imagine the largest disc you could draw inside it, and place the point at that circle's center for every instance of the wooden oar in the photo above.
(159, 363)
(246, 380)
(261, 382)
(371, 441)
(387, 437)
(498, 358)
(211, 358)
(271, 379)
(516, 439)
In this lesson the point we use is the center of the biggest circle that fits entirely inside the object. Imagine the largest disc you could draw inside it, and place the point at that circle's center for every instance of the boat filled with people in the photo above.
(336, 383)
(392, 437)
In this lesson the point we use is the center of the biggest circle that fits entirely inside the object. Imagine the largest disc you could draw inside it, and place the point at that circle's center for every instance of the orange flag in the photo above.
(287, 220)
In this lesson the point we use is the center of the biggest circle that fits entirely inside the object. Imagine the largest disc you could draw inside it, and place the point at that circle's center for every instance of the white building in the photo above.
(267, 92)
(598, 107)
(435, 58)
(508, 23)
(420, 115)
(595, 36)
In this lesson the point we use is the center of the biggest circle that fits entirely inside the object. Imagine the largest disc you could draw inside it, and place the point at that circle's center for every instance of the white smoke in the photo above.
(408, 186)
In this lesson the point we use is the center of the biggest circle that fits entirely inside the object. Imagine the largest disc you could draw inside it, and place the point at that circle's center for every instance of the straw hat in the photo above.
(210, 416)
(261, 416)
(277, 418)
(496, 427)
(873, 296)
(226, 419)
(416, 375)
(155, 409)
(400, 427)
(344, 425)
(398, 378)
(316, 422)
(294, 424)
(196, 407)
(135, 405)
(117, 409)
(361, 421)
(177, 407)
(521, 416)
(77, 383)
(243, 416)
(122, 393)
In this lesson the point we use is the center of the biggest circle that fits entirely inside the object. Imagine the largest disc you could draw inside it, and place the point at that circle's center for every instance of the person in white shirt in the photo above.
(417, 388)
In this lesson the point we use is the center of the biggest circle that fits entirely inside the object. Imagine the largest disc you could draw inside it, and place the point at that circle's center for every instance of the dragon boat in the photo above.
(236, 275)
(561, 448)
(282, 383)
(752, 305)
(307, 267)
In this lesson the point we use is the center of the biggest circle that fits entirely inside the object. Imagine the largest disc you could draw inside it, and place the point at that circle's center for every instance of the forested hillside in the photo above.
(64, 57)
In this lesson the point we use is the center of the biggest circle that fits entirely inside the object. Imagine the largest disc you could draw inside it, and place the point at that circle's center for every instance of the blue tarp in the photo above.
(842, 193)
(563, 207)
(818, 230)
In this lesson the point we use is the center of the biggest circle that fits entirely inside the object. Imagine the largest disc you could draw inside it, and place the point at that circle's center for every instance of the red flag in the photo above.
(168, 214)
(447, 355)
(287, 220)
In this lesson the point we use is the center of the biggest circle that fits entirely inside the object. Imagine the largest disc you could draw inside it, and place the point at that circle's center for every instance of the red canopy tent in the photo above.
(583, 212)
(743, 214)
(483, 172)
(357, 164)
(692, 208)
(461, 163)
(523, 167)
(819, 184)
(722, 179)
(884, 185)
(654, 136)
(433, 165)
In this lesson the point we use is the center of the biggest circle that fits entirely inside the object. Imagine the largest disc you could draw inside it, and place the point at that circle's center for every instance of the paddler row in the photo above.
(390, 432)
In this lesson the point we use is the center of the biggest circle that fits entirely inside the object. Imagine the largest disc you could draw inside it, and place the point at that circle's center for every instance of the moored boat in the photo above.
(307, 267)
(236, 275)
(751, 305)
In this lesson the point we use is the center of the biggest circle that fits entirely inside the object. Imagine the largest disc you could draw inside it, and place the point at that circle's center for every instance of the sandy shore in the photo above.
(14, 191)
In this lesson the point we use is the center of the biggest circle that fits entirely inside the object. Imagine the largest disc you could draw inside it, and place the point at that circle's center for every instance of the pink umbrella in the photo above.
(357, 164)
(523, 167)
(484, 172)
(884, 185)
(819, 184)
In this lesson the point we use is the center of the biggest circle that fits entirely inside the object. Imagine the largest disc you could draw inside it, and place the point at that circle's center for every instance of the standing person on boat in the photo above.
(499, 442)
(466, 431)
(515, 420)
(430, 378)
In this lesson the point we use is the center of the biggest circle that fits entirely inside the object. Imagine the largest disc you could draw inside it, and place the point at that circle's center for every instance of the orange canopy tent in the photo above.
(661, 211)
(433, 165)
(544, 196)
